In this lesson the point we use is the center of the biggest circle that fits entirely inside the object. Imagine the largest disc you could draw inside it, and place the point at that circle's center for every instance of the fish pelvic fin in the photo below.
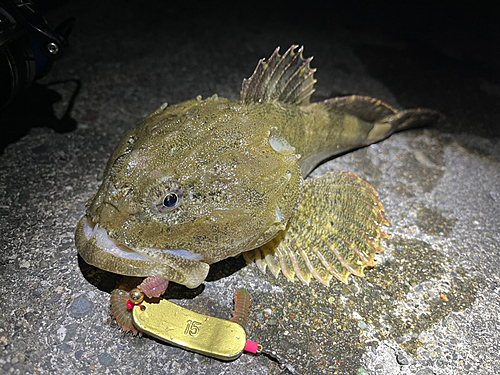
(384, 119)
(336, 232)
(287, 79)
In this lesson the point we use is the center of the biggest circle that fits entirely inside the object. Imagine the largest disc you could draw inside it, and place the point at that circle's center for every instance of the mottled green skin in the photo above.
(232, 180)
(318, 131)
(238, 188)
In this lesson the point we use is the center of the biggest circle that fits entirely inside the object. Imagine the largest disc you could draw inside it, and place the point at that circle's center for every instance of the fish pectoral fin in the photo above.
(286, 79)
(336, 232)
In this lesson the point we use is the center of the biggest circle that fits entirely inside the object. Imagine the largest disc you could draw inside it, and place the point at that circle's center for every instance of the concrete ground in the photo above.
(430, 306)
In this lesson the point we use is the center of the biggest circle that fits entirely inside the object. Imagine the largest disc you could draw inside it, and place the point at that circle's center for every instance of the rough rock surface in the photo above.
(432, 304)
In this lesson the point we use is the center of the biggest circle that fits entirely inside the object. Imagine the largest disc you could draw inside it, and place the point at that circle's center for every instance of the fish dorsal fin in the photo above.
(335, 232)
(376, 111)
(286, 79)
(364, 107)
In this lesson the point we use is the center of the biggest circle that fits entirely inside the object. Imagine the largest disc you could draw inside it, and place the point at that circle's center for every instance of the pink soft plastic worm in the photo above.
(241, 309)
(119, 310)
(153, 286)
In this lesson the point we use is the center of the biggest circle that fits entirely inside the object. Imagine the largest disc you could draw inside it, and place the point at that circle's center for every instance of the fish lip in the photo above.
(93, 231)
(103, 242)
(98, 250)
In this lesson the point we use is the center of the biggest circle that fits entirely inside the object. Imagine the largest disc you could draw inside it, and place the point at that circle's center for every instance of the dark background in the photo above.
(459, 41)
(439, 185)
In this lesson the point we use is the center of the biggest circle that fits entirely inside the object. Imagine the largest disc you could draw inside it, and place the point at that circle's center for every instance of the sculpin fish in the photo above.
(204, 180)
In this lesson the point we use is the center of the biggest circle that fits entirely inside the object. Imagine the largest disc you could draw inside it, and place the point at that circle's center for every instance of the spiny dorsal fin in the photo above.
(287, 79)
(336, 232)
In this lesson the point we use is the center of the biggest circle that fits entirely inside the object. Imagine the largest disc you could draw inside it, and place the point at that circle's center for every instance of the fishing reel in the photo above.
(28, 46)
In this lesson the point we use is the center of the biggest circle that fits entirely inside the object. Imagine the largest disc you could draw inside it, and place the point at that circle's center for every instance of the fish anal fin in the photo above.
(286, 79)
(335, 232)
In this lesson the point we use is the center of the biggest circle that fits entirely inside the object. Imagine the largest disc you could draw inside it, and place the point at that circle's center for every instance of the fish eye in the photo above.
(170, 201)
(166, 196)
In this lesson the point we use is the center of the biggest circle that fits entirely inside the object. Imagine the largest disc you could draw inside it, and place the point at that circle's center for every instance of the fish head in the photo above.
(189, 186)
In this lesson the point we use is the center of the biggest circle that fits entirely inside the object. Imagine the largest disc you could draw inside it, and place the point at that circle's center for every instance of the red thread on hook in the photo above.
(130, 305)
(251, 347)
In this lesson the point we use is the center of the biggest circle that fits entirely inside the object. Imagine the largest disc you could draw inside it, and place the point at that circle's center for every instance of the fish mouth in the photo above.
(92, 230)
(97, 248)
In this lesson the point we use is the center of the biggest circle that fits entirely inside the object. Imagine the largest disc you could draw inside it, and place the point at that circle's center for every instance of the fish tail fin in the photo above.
(380, 118)
(413, 118)
(336, 232)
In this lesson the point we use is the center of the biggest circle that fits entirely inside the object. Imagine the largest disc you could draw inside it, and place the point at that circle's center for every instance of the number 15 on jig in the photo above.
(187, 329)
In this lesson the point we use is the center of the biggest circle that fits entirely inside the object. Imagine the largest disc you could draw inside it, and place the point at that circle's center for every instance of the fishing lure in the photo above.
(241, 308)
(191, 328)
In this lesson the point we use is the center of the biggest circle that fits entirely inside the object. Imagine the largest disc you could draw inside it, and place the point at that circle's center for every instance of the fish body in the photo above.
(204, 180)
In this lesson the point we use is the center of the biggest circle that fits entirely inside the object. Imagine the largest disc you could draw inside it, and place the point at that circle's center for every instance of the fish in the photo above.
(208, 179)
